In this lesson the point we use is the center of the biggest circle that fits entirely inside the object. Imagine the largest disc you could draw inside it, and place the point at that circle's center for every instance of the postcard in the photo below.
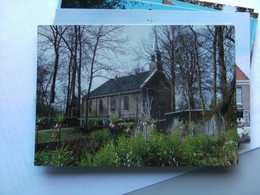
(239, 20)
(136, 96)
(222, 7)
(174, 5)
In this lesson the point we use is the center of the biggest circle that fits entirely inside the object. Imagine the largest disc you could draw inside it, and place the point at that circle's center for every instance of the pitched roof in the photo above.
(240, 75)
(122, 84)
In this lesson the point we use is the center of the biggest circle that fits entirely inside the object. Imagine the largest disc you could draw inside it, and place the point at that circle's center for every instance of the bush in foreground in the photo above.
(158, 150)
(171, 150)
(58, 157)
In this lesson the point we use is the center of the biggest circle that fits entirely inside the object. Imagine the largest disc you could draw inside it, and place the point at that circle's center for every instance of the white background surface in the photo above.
(18, 175)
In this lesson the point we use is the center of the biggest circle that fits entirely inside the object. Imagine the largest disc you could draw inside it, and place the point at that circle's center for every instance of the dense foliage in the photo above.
(158, 150)
(169, 150)
(101, 136)
(58, 157)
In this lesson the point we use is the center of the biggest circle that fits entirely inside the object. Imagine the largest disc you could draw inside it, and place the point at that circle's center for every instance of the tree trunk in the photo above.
(55, 70)
(222, 67)
(190, 94)
(68, 105)
(79, 73)
(214, 83)
(56, 45)
(74, 71)
(198, 72)
(215, 125)
(90, 80)
(224, 107)
(172, 84)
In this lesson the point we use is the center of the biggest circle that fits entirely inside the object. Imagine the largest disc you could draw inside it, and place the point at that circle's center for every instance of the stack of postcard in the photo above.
(144, 83)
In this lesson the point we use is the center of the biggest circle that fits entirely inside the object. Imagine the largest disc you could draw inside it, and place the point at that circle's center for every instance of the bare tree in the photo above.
(221, 61)
(44, 78)
(214, 100)
(53, 35)
(169, 40)
(79, 70)
(106, 42)
(70, 38)
(196, 56)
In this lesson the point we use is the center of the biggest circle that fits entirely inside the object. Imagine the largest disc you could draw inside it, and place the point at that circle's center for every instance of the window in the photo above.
(239, 96)
(90, 106)
(112, 104)
(100, 106)
(126, 103)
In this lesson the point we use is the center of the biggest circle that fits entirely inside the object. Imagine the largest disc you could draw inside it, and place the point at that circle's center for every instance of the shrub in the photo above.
(106, 156)
(114, 119)
(101, 136)
(156, 150)
(173, 147)
(58, 157)
(197, 150)
(91, 122)
(232, 135)
(207, 151)
(164, 151)
(40, 120)
(132, 152)
(139, 148)
(59, 118)
(86, 160)
(230, 147)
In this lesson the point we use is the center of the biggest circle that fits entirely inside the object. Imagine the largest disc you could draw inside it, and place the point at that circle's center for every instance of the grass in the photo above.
(66, 135)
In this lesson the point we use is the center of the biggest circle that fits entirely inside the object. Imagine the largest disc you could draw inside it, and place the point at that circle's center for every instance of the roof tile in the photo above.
(240, 75)
(121, 84)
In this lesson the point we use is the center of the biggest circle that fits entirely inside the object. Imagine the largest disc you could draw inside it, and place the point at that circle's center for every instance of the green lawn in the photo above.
(66, 135)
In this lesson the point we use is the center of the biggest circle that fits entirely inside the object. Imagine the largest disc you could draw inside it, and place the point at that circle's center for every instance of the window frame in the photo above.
(113, 104)
(100, 106)
(126, 102)
(90, 106)
(239, 96)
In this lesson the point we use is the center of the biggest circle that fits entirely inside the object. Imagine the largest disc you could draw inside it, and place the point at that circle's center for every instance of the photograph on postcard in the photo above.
(101, 4)
(184, 5)
(221, 7)
(172, 5)
(137, 96)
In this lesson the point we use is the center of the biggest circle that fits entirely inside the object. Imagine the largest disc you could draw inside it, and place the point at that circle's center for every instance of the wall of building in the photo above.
(244, 110)
(158, 88)
(134, 108)
(154, 88)
(245, 86)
